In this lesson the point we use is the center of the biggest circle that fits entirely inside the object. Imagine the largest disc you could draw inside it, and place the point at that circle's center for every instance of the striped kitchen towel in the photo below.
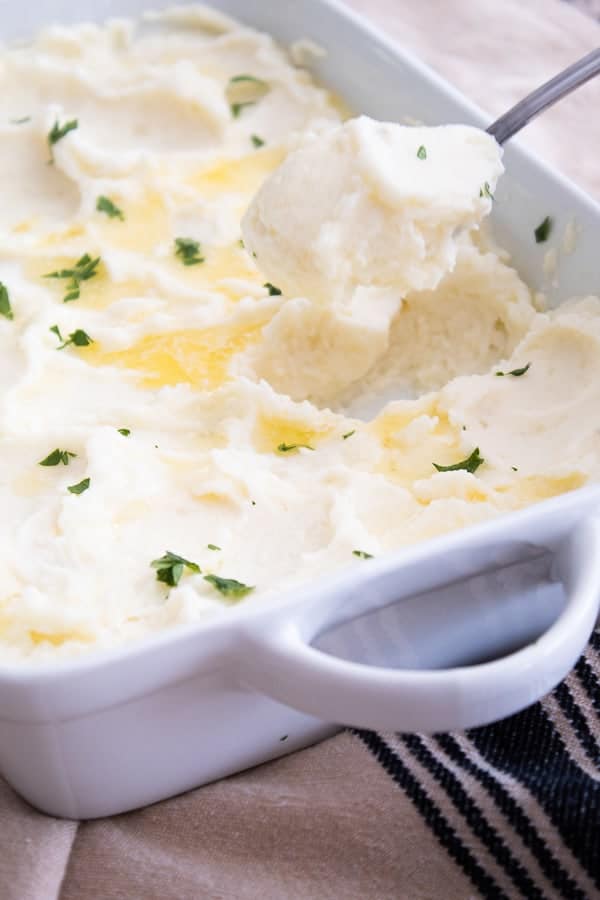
(516, 804)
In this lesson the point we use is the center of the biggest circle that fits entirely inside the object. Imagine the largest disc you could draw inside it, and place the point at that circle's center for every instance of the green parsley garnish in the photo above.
(213, 547)
(362, 554)
(241, 243)
(422, 152)
(542, 232)
(485, 191)
(105, 205)
(5, 307)
(514, 468)
(79, 488)
(286, 448)
(236, 108)
(188, 251)
(273, 291)
(56, 457)
(348, 434)
(170, 567)
(243, 91)
(78, 338)
(257, 141)
(247, 78)
(516, 372)
(229, 587)
(124, 431)
(20, 121)
(58, 132)
(84, 269)
(470, 464)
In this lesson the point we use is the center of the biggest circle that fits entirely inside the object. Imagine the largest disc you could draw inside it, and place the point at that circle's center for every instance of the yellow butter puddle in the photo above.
(199, 357)
(220, 263)
(237, 176)
(97, 292)
(529, 489)
(101, 291)
(407, 458)
(146, 224)
(271, 431)
(40, 637)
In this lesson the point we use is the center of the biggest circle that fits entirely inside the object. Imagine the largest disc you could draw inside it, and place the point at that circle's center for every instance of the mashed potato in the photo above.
(371, 205)
(175, 430)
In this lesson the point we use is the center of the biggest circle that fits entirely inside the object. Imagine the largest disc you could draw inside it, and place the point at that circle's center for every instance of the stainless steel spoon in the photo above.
(546, 95)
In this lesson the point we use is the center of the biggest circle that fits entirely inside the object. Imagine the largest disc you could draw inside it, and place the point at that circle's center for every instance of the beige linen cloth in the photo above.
(330, 822)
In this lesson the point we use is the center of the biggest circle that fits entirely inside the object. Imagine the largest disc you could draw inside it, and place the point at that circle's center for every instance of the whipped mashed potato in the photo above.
(159, 394)
(372, 205)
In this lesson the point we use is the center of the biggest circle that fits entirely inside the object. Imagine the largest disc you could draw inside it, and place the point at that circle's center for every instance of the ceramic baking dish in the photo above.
(453, 633)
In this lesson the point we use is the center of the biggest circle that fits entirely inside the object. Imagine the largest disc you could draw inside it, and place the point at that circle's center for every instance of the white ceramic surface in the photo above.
(453, 633)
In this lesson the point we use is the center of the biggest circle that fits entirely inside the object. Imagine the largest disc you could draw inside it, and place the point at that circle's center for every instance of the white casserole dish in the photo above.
(120, 729)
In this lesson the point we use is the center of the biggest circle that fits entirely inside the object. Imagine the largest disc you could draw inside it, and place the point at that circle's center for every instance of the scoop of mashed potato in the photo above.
(371, 205)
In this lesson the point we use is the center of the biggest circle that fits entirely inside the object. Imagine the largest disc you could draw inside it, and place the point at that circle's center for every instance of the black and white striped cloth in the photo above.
(516, 804)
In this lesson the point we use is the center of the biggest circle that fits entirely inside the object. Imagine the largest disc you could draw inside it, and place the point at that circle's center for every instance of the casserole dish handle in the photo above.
(550, 626)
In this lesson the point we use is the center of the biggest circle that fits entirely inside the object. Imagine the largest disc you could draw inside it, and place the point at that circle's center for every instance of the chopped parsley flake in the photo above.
(85, 268)
(257, 141)
(56, 457)
(362, 554)
(236, 108)
(243, 91)
(105, 205)
(78, 338)
(241, 243)
(58, 132)
(514, 468)
(79, 488)
(188, 251)
(5, 307)
(170, 568)
(485, 191)
(273, 291)
(516, 372)
(287, 448)
(542, 232)
(422, 152)
(229, 587)
(348, 434)
(213, 547)
(124, 431)
(247, 78)
(20, 121)
(470, 464)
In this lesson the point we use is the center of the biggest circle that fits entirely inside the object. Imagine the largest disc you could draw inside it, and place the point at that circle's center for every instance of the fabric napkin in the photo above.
(507, 811)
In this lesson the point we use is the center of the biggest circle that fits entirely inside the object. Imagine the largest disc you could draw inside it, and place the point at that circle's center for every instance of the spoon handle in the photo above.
(546, 95)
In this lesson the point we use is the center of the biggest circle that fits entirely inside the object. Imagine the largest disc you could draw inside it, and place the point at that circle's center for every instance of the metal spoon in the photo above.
(546, 95)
